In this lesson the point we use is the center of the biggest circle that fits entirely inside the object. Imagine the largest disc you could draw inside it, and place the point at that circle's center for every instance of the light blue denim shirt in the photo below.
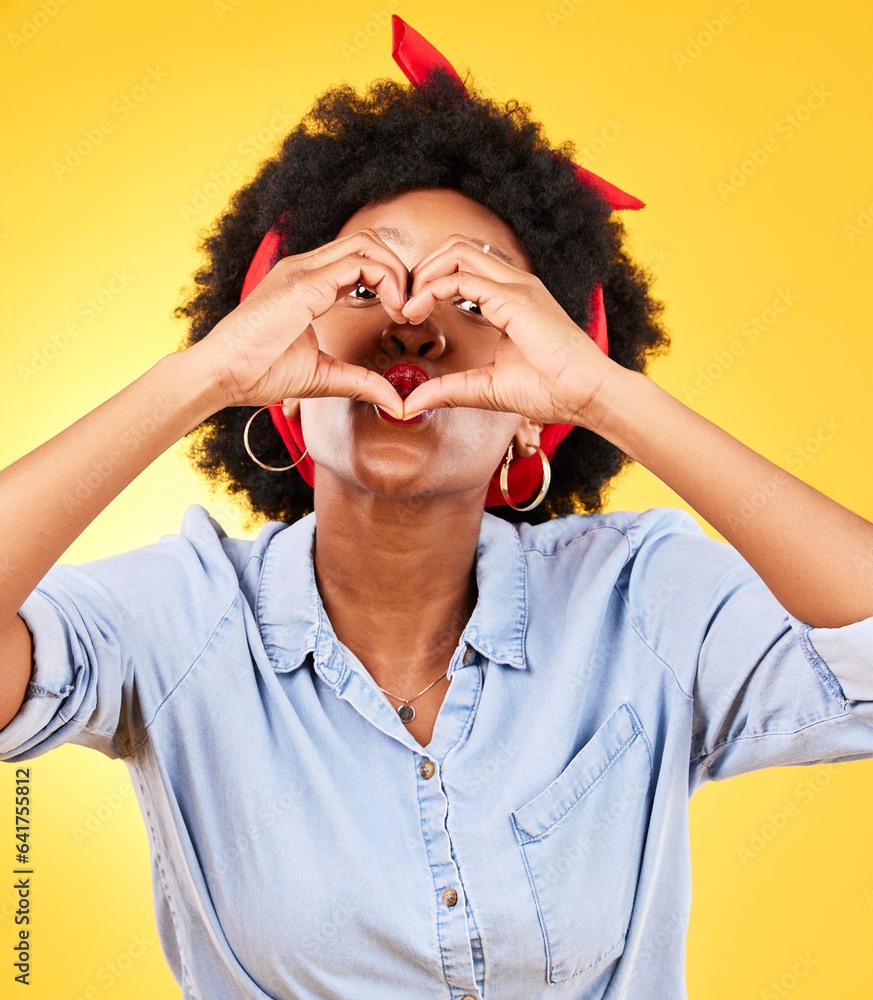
(305, 846)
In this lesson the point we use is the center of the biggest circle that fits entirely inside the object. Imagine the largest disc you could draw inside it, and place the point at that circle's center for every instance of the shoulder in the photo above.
(202, 536)
(200, 567)
(626, 529)
(634, 554)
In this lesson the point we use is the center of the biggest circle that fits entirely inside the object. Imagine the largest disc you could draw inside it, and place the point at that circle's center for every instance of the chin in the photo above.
(410, 484)
(394, 481)
(359, 452)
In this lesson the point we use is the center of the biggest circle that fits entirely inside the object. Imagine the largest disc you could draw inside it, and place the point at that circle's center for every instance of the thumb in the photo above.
(470, 388)
(356, 382)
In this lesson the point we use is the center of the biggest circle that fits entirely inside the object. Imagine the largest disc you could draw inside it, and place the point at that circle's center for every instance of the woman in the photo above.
(421, 749)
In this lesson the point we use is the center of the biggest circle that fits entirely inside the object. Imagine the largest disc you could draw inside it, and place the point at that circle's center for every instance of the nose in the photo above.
(427, 340)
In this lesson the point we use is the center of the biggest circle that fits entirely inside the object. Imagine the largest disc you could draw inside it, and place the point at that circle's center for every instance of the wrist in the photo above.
(607, 411)
(193, 379)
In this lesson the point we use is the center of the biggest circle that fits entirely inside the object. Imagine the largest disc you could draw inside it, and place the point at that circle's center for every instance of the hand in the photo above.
(545, 367)
(266, 349)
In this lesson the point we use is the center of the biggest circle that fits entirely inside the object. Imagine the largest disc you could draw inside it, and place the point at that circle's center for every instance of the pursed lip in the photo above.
(405, 377)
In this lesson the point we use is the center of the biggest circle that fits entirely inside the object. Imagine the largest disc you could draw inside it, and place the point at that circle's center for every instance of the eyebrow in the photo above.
(403, 239)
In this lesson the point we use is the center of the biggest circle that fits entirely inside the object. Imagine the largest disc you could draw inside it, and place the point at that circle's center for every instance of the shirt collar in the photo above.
(293, 621)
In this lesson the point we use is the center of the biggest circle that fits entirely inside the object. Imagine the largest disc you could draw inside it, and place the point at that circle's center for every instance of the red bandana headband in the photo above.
(417, 58)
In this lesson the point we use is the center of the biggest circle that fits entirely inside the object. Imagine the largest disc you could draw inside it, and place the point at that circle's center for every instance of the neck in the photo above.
(397, 579)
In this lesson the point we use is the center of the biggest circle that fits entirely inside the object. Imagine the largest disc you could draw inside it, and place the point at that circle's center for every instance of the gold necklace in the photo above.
(406, 711)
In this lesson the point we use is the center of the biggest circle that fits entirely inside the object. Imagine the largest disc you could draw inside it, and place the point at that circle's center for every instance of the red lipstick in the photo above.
(404, 377)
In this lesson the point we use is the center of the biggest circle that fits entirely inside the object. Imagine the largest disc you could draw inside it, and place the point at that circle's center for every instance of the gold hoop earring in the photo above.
(504, 479)
(269, 468)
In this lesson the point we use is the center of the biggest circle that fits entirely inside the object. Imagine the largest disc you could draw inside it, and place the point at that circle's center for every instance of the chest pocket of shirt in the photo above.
(582, 841)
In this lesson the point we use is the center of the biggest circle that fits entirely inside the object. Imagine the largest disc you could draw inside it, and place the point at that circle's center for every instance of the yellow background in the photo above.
(678, 128)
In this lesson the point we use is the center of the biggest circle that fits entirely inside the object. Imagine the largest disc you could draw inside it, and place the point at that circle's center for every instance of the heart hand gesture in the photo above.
(266, 348)
(545, 367)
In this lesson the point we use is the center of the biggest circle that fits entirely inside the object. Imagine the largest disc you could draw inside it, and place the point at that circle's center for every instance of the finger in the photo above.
(298, 273)
(324, 375)
(282, 307)
(469, 388)
(366, 242)
(320, 289)
(356, 382)
(459, 257)
(491, 296)
(460, 254)
(543, 332)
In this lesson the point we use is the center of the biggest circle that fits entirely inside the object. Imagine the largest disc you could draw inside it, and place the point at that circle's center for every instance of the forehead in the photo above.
(415, 223)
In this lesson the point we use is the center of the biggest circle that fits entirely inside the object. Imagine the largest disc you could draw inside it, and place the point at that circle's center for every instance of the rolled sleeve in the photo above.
(53, 678)
(112, 639)
(765, 695)
(843, 659)
(766, 690)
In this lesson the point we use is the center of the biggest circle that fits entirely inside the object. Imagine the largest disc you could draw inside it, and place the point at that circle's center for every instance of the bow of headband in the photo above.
(417, 58)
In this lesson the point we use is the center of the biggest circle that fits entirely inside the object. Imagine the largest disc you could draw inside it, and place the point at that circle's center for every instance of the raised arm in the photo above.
(814, 555)
(262, 352)
(49, 497)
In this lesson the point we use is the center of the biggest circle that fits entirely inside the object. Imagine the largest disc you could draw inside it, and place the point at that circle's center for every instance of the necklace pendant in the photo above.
(406, 713)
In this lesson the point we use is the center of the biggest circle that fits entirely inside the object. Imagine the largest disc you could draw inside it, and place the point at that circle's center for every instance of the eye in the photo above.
(362, 293)
(465, 305)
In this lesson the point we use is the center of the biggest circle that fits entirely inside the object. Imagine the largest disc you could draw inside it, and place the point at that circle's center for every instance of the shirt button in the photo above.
(427, 769)
(450, 897)
(468, 658)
